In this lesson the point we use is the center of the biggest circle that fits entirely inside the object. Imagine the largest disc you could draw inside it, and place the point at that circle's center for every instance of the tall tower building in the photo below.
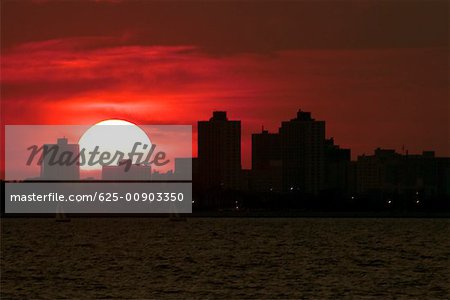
(219, 151)
(302, 153)
(60, 161)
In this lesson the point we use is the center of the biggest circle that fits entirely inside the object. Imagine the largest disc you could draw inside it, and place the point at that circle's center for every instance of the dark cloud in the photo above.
(229, 27)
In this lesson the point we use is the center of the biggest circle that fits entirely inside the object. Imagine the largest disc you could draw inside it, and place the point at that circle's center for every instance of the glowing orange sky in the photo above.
(377, 73)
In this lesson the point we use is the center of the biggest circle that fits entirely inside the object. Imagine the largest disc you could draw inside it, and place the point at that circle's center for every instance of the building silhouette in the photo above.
(388, 174)
(163, 176)
(303, 154)
(60, 161)
(266, 162)
(337, 169)
(266, 148)
(443, 177)
(183, 168)
(125, 170)
(219, 152)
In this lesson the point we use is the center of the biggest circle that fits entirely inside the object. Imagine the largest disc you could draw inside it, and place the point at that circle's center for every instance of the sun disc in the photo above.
(113, 136)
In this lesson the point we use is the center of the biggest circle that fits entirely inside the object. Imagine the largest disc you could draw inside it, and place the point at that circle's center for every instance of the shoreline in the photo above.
(254, 214)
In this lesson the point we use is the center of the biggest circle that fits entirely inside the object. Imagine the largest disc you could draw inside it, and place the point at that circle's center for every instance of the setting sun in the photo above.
(111, 136)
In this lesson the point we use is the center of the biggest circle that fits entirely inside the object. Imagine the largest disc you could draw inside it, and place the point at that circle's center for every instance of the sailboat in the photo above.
(60, 215)
(174, 216)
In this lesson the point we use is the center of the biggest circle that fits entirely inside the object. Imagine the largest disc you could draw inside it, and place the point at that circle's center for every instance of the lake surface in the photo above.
(225, 258)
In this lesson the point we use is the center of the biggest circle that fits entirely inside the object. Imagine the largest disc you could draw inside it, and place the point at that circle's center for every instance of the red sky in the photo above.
(377, 72)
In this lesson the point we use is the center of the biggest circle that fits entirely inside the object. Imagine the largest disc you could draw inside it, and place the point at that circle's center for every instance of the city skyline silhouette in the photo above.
(298, 161)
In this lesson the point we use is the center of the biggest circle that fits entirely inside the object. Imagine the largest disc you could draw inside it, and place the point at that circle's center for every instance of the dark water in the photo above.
(226, 258)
